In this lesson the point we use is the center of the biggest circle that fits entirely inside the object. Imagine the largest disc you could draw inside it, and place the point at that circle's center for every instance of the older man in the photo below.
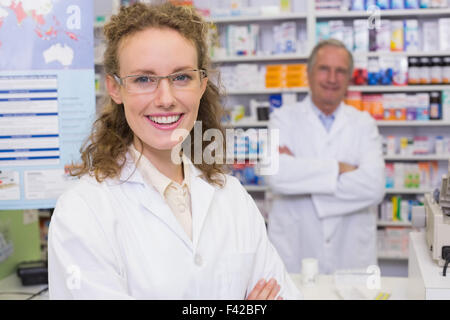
(331, 172)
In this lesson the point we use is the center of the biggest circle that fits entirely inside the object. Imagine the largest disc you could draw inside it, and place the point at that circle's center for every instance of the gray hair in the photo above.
(324, 43)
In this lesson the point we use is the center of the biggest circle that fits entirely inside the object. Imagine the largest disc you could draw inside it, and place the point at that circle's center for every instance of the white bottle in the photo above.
(439, 145)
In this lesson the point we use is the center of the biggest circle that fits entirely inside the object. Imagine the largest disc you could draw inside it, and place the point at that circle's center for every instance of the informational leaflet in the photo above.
(45, 184)
(29, 132)
(47, 97)
(9, 185)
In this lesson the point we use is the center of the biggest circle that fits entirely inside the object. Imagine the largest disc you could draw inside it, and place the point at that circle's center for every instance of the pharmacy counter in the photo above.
(392, 288)
(324, 289)
(12, 289)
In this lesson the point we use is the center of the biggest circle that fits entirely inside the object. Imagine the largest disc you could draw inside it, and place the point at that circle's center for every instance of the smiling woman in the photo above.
(138, 225)
(136, 50)
(148, 112)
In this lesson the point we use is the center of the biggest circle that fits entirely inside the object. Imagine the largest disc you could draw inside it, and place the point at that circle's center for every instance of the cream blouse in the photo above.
(177, 196)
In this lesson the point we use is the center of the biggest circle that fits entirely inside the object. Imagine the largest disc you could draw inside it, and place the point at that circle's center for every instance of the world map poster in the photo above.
(45, 34)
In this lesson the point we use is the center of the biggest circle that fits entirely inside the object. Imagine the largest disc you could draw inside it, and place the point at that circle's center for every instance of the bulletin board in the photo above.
(47, 97)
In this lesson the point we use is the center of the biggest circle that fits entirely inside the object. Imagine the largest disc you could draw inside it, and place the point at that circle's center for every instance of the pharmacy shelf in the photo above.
(409, 88)
(252, 158)
(277, 57)
(403, 53)
(380, 123)
(382, 223)
(407, 191)
(254, 18)
(251, 188)
(319, 14)
(240, 18)
(382, 256)
(424, 123)
(287, 57)
(268, 91)
(249, 124)
(430, 157)
(336, 14)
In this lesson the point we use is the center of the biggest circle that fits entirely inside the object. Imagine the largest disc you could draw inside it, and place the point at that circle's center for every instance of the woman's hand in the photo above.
(265, 290)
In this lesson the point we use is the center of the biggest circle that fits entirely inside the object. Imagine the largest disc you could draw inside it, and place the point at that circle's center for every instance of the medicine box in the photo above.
(397, 35)
(412, 35)
(444, 34)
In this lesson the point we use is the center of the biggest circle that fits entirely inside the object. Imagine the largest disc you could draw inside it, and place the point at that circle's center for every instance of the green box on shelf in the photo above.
(446, 105)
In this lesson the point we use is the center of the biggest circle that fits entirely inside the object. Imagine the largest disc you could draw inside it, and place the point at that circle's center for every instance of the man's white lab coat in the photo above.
(120, 240)
(316, 212)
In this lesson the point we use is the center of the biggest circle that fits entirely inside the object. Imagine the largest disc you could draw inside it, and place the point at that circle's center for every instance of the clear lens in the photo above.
(183, 80)
(141, 83)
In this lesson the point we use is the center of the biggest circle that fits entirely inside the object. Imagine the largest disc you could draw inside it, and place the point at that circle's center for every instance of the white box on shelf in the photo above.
(430, 38)
(361, 35)
(412, 35)
(444, 34)
(336, 29)
(348, 37)
(384, 36)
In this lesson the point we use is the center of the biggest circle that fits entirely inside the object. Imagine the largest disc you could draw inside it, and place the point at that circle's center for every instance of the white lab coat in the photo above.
(120, 240)
(316, 212)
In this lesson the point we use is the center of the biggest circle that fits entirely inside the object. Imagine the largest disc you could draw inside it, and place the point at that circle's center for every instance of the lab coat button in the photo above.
(198, 260)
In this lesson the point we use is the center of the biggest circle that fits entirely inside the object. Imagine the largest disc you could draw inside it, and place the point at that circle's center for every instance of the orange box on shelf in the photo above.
(377, 109)
(296, 67)
(366, 105)
(295, 79)
(373, 104)
(286, 75)
(354, 99)
(273, 77)
(275, 68)
(292, 85)
(400, 114)
(274, 84)
(295, 84)
(296, 74)
(357, 104)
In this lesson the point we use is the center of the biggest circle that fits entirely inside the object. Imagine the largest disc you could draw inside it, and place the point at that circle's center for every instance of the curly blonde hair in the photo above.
(103, 153)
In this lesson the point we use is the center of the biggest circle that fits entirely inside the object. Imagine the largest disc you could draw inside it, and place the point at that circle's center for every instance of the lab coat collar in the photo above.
(201, 191)
(150, 199)
(129, 172)
(339, 121)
